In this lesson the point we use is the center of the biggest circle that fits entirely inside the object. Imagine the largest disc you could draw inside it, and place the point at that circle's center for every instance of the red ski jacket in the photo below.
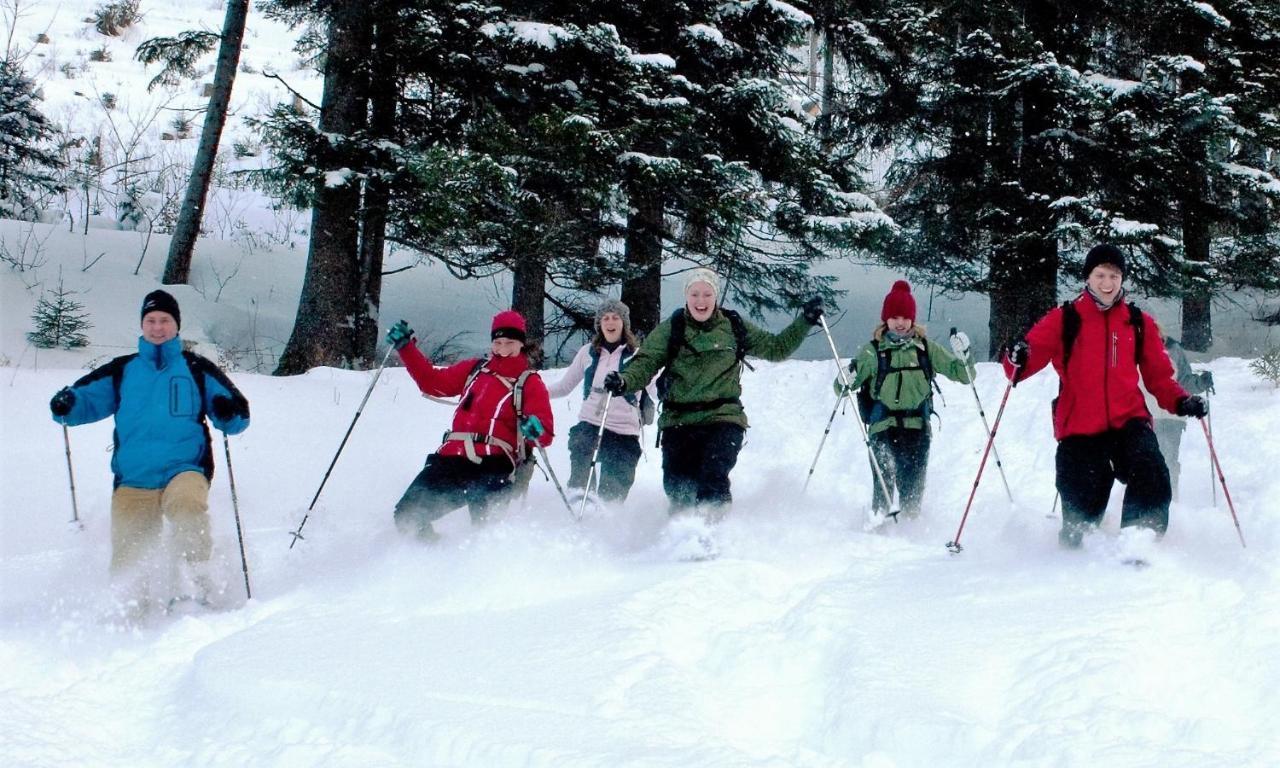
(487, 408)
(1099, 391)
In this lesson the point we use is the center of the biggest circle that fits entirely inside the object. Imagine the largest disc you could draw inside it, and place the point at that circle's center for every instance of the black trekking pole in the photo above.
(235, 508)
(297, 534)
(1213, 456)
(847, 392)
(994, 450)
(821, 443)
(71, 477)
(551, 472)
(954, 544)
(595, 455)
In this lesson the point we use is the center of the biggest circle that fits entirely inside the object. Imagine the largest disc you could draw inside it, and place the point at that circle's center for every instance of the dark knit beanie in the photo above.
(508, 324)
(161, 301)
(899, 302)
(1105, 253)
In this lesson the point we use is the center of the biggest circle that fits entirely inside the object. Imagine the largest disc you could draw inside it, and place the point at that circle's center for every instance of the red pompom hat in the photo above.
(899, 302)
(508, 324)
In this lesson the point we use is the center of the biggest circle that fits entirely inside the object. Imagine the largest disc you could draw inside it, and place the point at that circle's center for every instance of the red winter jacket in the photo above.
(1100, 390)
(487, 407)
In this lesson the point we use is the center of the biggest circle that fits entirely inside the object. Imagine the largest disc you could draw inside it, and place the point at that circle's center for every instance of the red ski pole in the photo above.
(1213, 455)
(954, 544)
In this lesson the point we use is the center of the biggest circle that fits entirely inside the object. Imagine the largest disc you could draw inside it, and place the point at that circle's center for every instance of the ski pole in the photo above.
(847, 392)
(954, 544)
(235, 508)
(297, 534)
(595, 455)
(994, 450)
(821, 443)
(71, 477)
(1213, 487)
(551, 471)
(1213, 456)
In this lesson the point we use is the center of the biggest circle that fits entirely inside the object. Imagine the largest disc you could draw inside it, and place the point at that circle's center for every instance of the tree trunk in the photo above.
(323, 333)
(384, 91)
(1197, 322)
(528, 293)
(177, 269)
(643, 294)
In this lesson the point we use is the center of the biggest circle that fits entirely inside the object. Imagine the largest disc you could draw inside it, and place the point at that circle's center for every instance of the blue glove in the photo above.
(400, 335)
(531, 428)
(63, 402)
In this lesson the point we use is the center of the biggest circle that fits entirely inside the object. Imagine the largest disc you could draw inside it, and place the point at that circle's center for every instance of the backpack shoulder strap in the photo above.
(1139, 324)
(589, 376)
(739, 331)
(676, 338)
(1070, 330)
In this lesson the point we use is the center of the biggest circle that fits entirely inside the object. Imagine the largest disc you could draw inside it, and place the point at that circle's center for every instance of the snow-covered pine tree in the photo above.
(29, 169)
(60, 321)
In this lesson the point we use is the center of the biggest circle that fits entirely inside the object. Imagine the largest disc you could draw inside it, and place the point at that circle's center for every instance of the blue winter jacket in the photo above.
(160, 397)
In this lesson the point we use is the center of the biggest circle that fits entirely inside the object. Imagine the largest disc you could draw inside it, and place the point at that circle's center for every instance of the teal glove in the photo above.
(531, 428)
(400, 335)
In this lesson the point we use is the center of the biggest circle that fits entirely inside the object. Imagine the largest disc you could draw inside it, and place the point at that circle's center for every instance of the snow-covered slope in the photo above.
(538, 641)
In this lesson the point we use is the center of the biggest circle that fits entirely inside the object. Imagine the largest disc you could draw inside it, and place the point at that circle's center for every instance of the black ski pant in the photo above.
(615, 467)
(1087, 465)
(449, 482)
(696, 461)
(904, 457)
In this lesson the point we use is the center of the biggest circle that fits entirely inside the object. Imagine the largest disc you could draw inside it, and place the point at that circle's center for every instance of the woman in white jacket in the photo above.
(610, 349)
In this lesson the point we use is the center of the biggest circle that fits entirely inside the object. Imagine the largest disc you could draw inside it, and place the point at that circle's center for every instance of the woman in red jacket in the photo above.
(503, 408)
(1099, 344)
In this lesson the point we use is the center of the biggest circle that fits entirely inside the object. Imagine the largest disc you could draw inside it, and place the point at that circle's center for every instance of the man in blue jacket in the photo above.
(162, 458)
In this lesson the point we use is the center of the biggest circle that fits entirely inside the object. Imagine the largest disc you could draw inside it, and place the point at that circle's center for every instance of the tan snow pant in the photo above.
(137, 520)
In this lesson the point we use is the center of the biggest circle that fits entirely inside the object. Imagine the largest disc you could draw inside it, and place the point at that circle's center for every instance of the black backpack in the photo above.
(869, 406)
(677, 340)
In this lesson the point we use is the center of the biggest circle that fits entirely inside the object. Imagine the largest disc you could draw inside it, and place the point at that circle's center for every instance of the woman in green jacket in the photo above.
(703, 423)
(897, 368)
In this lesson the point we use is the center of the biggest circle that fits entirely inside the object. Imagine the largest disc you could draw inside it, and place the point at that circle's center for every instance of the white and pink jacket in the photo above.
(624, 417)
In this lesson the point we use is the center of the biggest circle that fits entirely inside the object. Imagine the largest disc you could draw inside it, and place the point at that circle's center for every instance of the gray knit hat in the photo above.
(617, 307)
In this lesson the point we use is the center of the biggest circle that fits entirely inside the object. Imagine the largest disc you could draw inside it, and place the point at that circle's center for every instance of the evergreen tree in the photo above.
(60, 321)
(28, 170)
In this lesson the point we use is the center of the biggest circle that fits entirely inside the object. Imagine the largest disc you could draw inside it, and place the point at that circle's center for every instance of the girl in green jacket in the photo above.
(897, 368)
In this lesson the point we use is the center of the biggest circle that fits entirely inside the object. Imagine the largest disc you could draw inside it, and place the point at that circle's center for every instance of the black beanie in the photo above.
(1105, 253)
(160, 301)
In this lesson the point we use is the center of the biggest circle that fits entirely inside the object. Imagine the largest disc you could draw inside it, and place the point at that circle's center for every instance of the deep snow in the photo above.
(541, 642)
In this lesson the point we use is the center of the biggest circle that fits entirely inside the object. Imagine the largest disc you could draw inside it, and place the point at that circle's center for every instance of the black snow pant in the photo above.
(615, 467)
(449, 482)
(904, 457)
(1087, 465)
(696, 461)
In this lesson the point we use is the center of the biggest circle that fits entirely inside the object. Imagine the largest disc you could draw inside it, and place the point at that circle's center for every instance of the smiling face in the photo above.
(506, 347)
(611, 326)
(1104, 282)
(900, 325)
(159, 327)
(700, 301)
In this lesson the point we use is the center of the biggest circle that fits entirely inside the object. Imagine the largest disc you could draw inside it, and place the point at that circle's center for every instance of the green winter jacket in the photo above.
(706, 367)
(904, 390)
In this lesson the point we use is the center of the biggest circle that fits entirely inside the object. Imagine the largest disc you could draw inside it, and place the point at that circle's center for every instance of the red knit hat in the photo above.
(899, 302)
(508, 324)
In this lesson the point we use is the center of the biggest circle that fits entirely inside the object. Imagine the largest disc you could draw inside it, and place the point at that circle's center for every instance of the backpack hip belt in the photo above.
(469, 440)
(704, 405)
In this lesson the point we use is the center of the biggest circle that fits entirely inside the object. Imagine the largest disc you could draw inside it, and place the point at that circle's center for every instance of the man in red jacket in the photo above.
(1100, 418)
(503, 408)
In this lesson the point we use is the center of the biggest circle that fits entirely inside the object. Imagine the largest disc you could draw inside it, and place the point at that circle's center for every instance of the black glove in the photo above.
(812, 310)
(400, 335)
(1192, 405)
(614, 383)
(1019, 353)
(226, 408)
(63, 402)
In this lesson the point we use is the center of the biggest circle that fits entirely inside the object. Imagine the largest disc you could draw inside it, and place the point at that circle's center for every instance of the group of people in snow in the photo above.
(692, 364)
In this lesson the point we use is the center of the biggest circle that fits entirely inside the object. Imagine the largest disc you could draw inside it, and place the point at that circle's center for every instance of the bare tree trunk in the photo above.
(528, 292)
(177, 269)
(323, 333)
(1197, 320)
(643, 294)
(384, 90)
